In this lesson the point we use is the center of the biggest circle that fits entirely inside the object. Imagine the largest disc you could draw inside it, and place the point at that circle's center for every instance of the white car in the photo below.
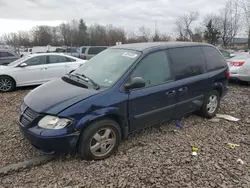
(36, 69)
(240, 67)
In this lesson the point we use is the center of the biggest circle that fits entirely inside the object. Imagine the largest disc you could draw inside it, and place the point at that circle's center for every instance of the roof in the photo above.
(151, 45)
(40, 54)
(48, 53)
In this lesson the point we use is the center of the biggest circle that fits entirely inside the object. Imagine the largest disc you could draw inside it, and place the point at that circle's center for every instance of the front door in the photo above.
(155, 102)
(32, 73)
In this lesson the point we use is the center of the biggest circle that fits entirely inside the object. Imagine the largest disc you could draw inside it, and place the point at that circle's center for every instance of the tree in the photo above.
(229, 23)
(97, 35)
(65, 33)
(183, 26)
(161, 37)
(82, 33)
(211, 34)
(246, 9)
(156, 37)
(114, 35)
(42, 35)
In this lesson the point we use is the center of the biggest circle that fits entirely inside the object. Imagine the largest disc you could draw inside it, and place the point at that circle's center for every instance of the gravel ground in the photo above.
(155, 157)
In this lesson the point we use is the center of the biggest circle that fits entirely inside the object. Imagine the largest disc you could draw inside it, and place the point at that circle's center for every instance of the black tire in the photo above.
(11, 84)
(204, 111)
(87, 139)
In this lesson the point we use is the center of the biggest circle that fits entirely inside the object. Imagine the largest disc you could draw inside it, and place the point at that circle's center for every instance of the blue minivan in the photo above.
(123, 89)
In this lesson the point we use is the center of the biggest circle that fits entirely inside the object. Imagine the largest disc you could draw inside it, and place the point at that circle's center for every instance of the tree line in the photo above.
(225, 24)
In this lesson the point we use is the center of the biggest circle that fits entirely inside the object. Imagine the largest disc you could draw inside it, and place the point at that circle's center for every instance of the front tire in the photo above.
(100, 140)
(7, 84)
(211, 105)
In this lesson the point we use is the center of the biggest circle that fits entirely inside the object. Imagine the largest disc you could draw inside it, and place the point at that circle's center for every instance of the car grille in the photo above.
(27, 115)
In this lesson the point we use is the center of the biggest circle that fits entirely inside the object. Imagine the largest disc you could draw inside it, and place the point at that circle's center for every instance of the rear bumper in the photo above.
(51, 144)
(240, 77)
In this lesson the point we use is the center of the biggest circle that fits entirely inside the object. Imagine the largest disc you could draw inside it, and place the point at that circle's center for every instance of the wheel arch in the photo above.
(1, 75)
(218, 87)
(120, 119)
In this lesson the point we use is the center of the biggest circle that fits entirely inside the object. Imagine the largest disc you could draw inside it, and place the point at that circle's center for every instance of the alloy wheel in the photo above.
(5, 84)
(103, 142)
(212, 104)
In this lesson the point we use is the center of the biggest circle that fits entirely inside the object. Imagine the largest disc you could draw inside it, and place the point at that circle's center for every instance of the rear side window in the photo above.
(187, 62)
(70, 60)
(6, 54)
(213, 58)
(57, 59)
(96, 50)
(83, 50)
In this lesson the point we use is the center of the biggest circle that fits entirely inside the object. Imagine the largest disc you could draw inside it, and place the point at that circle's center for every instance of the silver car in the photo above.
(240, 67)
(7, 56)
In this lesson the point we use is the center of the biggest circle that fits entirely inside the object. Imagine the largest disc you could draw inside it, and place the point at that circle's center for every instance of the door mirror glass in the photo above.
(23, 65)
(136, 82)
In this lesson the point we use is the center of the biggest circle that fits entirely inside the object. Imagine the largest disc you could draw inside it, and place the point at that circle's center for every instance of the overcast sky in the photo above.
(130, 14)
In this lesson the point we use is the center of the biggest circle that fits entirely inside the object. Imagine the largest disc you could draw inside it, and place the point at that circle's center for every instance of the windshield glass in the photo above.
(108, 66)
(18, 61)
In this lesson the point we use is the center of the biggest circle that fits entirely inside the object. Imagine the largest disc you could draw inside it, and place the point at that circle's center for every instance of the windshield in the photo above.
(18, 61)
(108, 66)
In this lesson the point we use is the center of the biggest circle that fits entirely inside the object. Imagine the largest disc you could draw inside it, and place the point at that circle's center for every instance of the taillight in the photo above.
(237, 64)
(227, 75)
(84, 57)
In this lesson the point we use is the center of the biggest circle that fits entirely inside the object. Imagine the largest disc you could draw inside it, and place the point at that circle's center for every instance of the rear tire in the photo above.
(100, 140)
(7, 84)
(211, 105)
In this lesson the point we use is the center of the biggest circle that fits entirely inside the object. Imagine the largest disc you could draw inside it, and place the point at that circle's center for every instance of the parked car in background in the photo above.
(121, 90)
(240, 67)
(81, 51)
(92, 51)
(72, 51)
(27, 51)
(7, 56)
(36, 69)
(226, 53)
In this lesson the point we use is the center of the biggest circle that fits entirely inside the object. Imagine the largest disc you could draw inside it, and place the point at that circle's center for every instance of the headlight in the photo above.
(53, 122)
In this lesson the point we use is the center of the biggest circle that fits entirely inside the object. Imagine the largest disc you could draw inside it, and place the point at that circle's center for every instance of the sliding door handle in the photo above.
(170, 93)
(183, 89)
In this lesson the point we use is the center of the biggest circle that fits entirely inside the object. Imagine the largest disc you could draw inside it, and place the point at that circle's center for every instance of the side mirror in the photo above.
(23, 65)
(232, 55)
(136, 82)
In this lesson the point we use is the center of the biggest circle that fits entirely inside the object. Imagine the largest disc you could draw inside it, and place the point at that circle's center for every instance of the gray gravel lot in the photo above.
(156, 157)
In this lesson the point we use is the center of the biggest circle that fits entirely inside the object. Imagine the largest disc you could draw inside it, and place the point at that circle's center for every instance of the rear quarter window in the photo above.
(83, 50)
(96, 50)
(187, 62)
(213, 58)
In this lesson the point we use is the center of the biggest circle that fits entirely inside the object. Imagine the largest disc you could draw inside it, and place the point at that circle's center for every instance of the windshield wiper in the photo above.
(85, 78)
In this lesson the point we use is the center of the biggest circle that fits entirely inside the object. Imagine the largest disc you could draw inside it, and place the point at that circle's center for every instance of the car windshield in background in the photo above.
(18, 61)
(108, 66)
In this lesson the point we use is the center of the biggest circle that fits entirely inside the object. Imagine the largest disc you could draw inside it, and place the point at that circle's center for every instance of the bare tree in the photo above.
(65, 33)
(144, 33)
(246, 9)
(184, 24)
(229, 24)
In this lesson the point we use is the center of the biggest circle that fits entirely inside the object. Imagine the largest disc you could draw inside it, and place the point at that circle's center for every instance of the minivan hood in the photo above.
(55, 96)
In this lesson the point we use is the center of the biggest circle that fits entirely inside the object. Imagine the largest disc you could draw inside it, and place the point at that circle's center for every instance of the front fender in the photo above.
(101, 113)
